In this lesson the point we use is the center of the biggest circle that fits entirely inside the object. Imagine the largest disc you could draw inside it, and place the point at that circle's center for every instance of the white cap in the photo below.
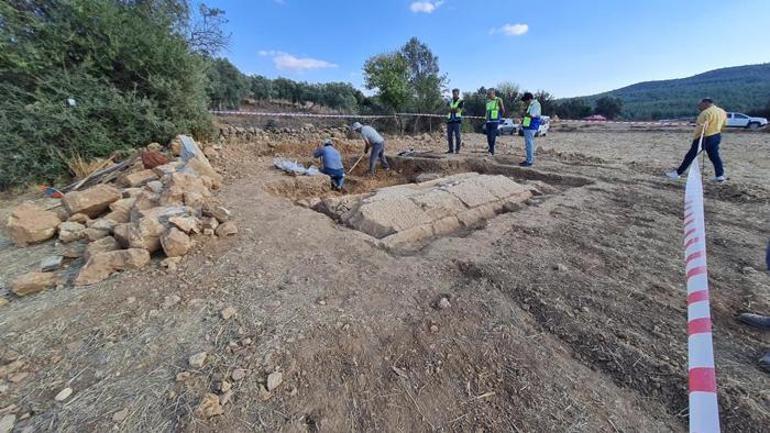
(356, 126)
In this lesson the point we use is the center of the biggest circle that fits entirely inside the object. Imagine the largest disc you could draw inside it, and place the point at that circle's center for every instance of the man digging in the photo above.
(376, 143)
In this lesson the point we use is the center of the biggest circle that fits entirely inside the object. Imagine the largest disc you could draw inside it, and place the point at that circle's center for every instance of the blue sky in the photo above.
(569, 48)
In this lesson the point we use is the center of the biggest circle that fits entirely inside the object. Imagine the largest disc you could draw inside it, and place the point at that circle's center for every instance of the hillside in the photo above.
(740, 88)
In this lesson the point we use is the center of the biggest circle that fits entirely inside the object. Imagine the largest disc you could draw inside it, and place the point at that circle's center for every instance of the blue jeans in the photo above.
(378, 152)
(336, 174)
(491, 135)
(453, 131)
(529, 144)
(711, 146)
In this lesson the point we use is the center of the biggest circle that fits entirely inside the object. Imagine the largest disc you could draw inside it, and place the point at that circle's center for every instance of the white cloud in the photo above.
(511, 29)
(286, 61)
(425, 7)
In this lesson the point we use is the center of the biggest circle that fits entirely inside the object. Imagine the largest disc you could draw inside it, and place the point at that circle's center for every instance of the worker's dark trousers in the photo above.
(453, 132)
(337, 176)
(378, 152)
(711, 146)
(492, 136)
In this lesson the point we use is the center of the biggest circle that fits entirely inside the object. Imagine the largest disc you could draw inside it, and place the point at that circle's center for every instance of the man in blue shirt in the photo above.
(332, 163)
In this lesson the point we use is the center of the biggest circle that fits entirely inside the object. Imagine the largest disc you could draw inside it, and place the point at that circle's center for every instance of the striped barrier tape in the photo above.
(704, 409)
(441, 116)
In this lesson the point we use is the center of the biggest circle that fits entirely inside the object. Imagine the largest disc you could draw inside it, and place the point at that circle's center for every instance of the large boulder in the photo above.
(29, 223)
(175, 242)
(102, 265)
(32, 282)
(93, 201)
(184, 188)
(194, 161)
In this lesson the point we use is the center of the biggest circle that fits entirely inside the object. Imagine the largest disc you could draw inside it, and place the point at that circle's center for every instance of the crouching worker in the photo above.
(332, 163)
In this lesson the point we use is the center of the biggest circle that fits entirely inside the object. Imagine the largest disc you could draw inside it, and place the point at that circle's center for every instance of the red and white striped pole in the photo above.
(704, 409)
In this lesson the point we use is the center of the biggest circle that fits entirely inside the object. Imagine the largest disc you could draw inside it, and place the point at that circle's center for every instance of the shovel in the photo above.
(356, 164)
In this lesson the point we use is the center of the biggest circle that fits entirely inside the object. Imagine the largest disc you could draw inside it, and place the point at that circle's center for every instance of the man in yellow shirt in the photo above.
(711, 121)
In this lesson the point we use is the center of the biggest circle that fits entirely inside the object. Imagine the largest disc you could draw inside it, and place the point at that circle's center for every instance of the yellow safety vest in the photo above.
(493, 109)
(455, 105)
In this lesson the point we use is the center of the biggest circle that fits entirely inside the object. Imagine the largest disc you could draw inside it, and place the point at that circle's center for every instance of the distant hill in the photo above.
(740, 88)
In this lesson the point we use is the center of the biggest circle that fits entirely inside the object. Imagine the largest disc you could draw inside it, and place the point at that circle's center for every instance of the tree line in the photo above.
(94, 78)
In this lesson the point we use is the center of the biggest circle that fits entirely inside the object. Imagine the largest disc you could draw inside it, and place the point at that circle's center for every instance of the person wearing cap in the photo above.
(332, 163)
(530, 124)
(495, 112)
(375, 142)
(454, 122)
(711, 121)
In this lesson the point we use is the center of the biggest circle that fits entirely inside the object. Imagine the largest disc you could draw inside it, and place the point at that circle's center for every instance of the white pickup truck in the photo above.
(740, 120)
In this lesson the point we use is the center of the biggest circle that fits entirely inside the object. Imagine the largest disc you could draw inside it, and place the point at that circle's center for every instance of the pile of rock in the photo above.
(116, 227)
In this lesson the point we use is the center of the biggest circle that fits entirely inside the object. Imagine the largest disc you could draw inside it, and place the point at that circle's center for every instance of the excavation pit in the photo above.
(424, 198)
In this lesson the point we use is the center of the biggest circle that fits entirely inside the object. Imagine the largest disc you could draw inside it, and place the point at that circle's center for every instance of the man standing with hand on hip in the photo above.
(710, 123)
(454, 122)
(495, 112)
(530, 125)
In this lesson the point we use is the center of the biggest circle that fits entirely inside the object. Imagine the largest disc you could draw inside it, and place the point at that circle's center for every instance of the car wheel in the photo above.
(753, 125)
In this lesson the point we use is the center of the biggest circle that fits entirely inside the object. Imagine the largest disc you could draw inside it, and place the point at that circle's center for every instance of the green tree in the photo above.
(130, 71)
(424, 76)
(389, 75)
(227, 85)
(261, 88)
(573, 108)
(608, 107)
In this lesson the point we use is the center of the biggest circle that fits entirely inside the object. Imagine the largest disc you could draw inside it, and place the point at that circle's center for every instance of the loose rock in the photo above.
(443, 303)
(197, 360)
(187, 224)
(120, 415)
(209, 407)
(227, 229)
(228, 312)
(175, 243)
(138, 178)
(238, 374)
(170, 301)
(32, 282)
(102, 265)
(51, 263)
(63, 394)
(71, 231)
(220, 213)
(79, 218)
(274, 380)
(103, 245)
(29, 223)
(93, 201)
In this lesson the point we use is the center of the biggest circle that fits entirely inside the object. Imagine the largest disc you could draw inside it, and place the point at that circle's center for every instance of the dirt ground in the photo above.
(567, 315)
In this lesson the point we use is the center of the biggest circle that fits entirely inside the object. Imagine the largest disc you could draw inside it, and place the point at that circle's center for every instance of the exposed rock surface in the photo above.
(407, 214)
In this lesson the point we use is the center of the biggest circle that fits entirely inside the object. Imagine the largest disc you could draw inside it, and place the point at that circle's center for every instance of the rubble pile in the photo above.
(118, 226)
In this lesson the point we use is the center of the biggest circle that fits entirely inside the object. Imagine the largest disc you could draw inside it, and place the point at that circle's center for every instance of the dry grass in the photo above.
(81, 167)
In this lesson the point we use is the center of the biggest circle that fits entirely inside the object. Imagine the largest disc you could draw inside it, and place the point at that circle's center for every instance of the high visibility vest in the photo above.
(493, 110)
(455, 105)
